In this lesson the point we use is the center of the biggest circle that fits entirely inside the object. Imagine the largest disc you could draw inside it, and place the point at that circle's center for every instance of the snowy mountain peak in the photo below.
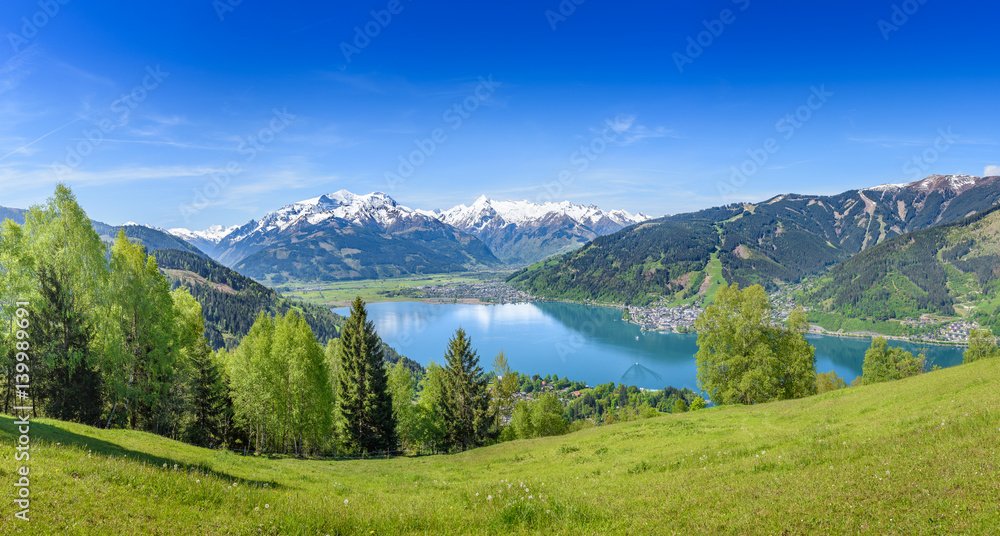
(485, 211)
(954, 183)
(213, 234)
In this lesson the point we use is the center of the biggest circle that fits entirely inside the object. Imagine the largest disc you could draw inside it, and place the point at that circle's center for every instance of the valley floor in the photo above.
(917, 456)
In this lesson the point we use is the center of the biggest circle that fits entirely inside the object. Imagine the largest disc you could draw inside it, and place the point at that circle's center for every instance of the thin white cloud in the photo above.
(628, 132)
(991, 171)
(17, 68)
(15, 178)
(177, 144)
(23, 148)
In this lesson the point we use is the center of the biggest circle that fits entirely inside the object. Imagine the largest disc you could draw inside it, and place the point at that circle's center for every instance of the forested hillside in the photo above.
(231, 302)
(930, 271)
(780, 240)
(151, 239)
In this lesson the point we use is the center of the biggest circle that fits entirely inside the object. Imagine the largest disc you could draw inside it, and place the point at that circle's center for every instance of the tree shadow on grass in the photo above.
(53, 434)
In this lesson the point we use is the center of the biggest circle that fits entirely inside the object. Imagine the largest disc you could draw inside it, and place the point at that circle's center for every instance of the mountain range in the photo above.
(522, 232)
(779, 240)
(948, 269)
(153, 239)
(348, 236)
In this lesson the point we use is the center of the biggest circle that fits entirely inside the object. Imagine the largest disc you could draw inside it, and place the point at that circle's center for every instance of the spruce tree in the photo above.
(208, 400)
(364, 400)
(69, 382)
(466, 402)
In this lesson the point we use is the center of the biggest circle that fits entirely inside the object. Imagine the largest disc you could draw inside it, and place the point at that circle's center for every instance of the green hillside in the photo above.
(917, 456)
(230, 302)
(945, 270)
(777, 241)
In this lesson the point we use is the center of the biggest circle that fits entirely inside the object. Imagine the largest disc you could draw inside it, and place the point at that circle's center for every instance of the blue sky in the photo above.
(192, 113)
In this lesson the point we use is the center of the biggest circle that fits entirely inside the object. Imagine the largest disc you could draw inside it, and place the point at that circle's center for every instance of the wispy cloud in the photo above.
(991, 171)
(17, 68)
(786, 166)
(23, 148)
(178, 144)
(630, 132)
(890, 142)
(17, 178)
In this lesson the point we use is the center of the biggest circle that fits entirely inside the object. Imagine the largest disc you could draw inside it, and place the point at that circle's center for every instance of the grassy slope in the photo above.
(918, 456)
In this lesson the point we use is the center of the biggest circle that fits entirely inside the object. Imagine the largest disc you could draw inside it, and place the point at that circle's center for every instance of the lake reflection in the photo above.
(582, 342)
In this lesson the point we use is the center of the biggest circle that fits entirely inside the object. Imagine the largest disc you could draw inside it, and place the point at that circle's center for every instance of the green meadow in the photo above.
(916, 456)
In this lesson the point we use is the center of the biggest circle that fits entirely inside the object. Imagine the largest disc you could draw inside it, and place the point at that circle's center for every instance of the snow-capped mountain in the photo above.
(207, 240)
(517, 232)
(955, 184)
(523, 232)
(343, 236)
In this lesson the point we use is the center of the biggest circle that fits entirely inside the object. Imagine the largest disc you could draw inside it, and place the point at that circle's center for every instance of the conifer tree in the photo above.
(466, 402)
(364, 401)
(69, 381)
(208, 397)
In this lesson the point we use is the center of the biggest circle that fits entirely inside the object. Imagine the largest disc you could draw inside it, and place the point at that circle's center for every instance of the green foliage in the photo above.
(927, 271)
(536, 418)
(627, 266)
(280, 386)
(982, 345)
(430, 430)
(594, 481)
(503, 390)
(680, 406)
(884, 363)
(465, 406)
(141, 351)
(403, 390)
(744, 359)
(69, 384)
(231, 301)
(364, 401)
(829, 381)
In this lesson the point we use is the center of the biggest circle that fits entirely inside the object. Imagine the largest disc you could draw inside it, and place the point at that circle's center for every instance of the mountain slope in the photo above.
(230, 302)
(781, 239)
(522, 232)
(346, 236)
(915, 456)
(153, 239)
(933, 270)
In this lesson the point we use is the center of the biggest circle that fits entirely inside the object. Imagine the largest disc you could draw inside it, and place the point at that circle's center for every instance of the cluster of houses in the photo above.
(662, 318)
(957, 332)
(488, 291)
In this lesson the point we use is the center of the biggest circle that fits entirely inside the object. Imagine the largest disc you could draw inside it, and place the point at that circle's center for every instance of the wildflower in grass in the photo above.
(489, 497)
(266, 506)
(345, 501)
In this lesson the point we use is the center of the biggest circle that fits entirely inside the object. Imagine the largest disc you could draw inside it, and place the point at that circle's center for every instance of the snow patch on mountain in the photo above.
(213, 234)
(955, 183)
(485, 211)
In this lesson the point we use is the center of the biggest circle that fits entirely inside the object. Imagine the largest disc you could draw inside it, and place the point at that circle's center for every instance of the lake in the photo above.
(587, 343)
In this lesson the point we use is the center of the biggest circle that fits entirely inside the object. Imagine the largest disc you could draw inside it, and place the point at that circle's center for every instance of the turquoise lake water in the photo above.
(584, 342)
